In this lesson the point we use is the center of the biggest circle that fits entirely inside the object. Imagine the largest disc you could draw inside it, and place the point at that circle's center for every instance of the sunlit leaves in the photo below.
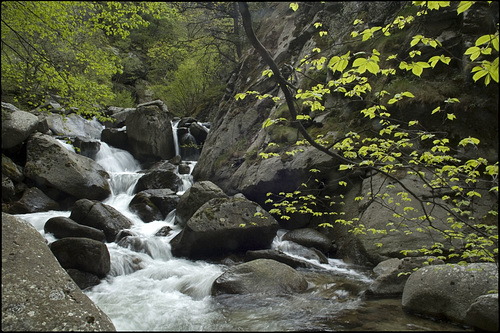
(339, 63)
(463, 6)
(294, 6)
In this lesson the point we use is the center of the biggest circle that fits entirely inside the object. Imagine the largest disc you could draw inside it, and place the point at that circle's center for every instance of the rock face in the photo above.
(259, 276)
(17, 125)
(154, 204)
(49, 164)
(37, 293)
(100, 216)
(149, 132)
(448, 290)
(224, 226)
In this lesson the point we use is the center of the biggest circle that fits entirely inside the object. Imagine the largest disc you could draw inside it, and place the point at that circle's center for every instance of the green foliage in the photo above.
(60, 48)
(448, 182)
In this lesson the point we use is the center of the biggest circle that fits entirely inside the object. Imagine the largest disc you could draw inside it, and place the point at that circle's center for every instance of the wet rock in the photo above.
(62, 227)
(155, 204)
(100, 216)
(259, 276)
(164, 231)
(37, 294)
(115, 137)
(280, 257)
(158, 179)
(448, 290)
(49, 164)
(84, 280)
(85, 254)
(310, 238)
(223, 226)
(32, 201)
(87, 147)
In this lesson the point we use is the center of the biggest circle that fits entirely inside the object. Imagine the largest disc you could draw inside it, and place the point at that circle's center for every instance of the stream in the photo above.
(148, 289)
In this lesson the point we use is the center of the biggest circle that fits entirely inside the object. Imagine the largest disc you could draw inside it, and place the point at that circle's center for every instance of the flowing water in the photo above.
(148, 289)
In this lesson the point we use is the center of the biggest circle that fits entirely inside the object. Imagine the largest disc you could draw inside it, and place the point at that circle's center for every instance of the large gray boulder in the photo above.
(37, 293)
(17, 125)
(74, 125)
(100, 216)
(264, 276)
(198, 194)
(49, 164)
(149, 131)
(224, 226)
(448, 290)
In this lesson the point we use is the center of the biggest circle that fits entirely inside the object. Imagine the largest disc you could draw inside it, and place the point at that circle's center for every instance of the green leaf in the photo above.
(268, 122)
(484, 39)
(418, 67)
(463, 6)
(294, 6)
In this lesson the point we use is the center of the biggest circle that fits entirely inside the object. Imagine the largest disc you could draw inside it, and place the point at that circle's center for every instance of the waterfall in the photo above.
(176, 137)
(149, 289)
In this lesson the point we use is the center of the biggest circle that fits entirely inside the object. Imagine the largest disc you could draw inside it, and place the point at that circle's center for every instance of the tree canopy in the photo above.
(452, 178)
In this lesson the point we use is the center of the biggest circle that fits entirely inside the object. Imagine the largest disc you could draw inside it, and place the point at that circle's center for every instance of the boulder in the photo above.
(264, 276)
(392, 275)
(149, 131)
(37, 293)
(11, 169)
(155, 204)
(86, 147)
(483, 313)
(310, 238)
(448, 290)
(224, 226)
(49, 164)
(33, 201)
(100, 216)
(280, 257)
(62, 227)
(378, 217)
(199, 132)
(115, 137)
(84, 280)
(8, 190)
(74, 125)
(159, 179)
(16, 125)
(85, 254)
(194, 198)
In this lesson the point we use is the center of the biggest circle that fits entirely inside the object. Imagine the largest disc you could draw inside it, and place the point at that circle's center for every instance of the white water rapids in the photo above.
(152, 290)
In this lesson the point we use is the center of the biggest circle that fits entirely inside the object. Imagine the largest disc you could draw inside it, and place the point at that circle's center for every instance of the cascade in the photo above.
(149, 289)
